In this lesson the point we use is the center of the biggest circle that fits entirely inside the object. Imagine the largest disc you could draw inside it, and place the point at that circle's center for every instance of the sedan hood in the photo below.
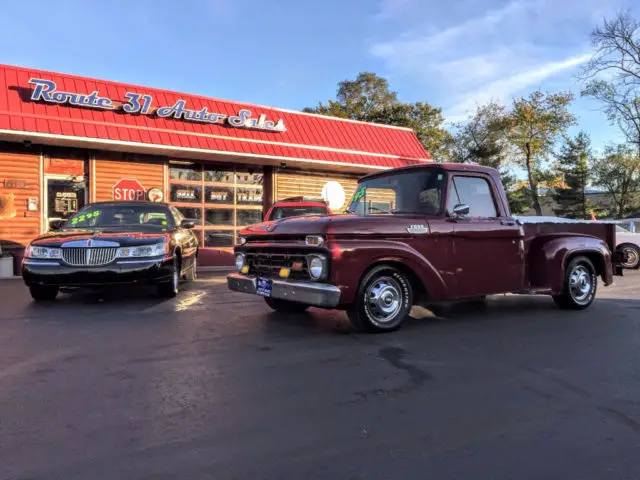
(57, 239)
(337, 225)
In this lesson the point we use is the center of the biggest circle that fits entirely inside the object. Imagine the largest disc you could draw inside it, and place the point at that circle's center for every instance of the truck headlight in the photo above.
(241, 241)
(240, 261)
(154, 250)
(43, 252)
(316, 267)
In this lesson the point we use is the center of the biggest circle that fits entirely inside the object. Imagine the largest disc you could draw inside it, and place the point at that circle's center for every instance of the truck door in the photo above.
(488, 252)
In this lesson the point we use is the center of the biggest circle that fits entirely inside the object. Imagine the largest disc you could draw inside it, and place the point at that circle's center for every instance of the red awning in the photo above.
(60, 116)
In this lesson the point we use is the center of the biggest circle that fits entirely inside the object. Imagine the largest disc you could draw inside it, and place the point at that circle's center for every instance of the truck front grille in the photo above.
(89, 257)
(268, 265)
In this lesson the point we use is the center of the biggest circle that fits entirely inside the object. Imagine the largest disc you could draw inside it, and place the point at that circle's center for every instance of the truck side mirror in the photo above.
(460, 211)
(186, 223)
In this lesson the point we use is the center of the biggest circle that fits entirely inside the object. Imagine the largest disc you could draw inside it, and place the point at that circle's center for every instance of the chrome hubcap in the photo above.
(580, 284)
(384, 300)
(630, 257)
(176, 278)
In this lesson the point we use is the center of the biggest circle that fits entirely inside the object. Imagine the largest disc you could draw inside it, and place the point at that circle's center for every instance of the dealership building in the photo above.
(66, 141)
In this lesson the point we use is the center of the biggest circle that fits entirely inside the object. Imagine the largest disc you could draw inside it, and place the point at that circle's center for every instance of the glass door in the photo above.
(65, 195)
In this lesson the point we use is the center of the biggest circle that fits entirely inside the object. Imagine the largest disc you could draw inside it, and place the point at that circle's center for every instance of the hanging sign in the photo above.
(137, 103)
(155, 195)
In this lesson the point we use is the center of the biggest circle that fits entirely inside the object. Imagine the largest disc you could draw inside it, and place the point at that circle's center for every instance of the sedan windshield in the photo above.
(126, 217)
(415, 191)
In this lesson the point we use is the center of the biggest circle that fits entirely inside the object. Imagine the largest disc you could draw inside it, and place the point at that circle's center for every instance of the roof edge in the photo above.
(204, 97)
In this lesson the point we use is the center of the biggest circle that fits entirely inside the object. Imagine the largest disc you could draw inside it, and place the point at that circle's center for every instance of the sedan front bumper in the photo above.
(54, 273)
(310, 293)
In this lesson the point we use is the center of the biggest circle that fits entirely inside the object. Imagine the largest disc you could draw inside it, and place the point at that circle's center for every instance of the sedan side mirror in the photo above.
(187, 223)
(460, 211)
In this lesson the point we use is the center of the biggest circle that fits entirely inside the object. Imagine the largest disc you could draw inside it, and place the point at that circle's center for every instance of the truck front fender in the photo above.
(549, 255)
(350, 259)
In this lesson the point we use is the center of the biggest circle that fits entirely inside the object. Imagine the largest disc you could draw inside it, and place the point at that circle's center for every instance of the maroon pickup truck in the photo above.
(417, 235)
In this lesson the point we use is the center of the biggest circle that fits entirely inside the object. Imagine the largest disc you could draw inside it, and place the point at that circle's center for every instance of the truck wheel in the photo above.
(580, 285)
(631, 255)
(286, 306)
(383, 301)
(41, 293)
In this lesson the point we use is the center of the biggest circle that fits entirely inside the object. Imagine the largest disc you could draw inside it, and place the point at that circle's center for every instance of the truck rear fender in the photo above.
(352, 259)
(549, 255)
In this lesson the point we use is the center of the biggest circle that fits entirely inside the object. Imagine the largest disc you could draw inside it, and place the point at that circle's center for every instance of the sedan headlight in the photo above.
(154, 250)
(43, 252)
(316, 267)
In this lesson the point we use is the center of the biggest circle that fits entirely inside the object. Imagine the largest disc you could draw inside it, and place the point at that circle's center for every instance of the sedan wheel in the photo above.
(170, 289)
(631, 256)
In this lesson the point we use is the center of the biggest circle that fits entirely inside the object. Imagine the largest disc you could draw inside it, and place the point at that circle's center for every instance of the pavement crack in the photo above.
(621, 418)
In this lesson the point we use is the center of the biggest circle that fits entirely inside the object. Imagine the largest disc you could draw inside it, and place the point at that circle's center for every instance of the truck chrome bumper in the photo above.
(310, 293)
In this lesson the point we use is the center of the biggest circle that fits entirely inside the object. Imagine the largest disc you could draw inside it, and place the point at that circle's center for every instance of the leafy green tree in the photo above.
(534, 123)
(573, 165)
(368, 98)
(618, 172)
(482, 139)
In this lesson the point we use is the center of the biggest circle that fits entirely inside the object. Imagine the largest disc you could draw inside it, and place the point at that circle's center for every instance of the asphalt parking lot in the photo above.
(214, 385)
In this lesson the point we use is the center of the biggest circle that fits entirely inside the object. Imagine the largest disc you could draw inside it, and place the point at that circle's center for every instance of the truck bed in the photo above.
(603, 229)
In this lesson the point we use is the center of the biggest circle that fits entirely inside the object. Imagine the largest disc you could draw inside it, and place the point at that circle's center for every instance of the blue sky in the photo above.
(292, 53)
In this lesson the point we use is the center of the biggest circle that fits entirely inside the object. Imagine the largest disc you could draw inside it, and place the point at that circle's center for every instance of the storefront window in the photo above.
(248, 217)
(218, 238)
(218, 217)
(219, 199)
(194, 214)
(186, 172)
(186, 193)
(223, 195)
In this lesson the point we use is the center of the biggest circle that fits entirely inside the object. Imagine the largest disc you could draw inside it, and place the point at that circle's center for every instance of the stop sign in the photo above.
(128, 189)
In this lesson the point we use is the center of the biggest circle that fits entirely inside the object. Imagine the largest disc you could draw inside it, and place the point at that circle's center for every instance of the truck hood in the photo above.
(337, 225)
(128, 239)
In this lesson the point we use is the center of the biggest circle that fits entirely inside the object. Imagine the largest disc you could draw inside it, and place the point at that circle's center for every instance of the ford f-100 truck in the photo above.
(422, 234)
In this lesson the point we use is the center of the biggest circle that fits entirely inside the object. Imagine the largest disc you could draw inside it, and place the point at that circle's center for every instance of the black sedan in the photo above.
(113, 243)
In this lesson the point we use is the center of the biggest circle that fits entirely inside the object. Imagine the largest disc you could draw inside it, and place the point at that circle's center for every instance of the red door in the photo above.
(488, 251)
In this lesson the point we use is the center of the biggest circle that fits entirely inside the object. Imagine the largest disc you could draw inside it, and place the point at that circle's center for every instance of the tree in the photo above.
(617, 54)
(426, 122)
(482, 139)
(358, 99)
(534, 124)
(573, 165)
(368, 98)
(618, 172)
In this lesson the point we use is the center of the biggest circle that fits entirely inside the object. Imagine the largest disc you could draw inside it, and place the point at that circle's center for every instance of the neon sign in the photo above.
(136, 103)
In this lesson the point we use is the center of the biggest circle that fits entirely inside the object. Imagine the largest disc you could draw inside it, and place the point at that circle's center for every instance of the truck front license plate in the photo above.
(263, 287)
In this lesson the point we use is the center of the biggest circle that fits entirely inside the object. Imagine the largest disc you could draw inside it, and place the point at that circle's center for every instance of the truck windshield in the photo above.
(415, 191)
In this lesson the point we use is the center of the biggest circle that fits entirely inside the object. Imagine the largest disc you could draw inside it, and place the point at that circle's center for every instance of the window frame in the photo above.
(451, 189)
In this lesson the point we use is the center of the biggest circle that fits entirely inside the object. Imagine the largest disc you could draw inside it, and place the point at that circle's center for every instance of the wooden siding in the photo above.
(111, 168)
(18, 230)
(294, 184)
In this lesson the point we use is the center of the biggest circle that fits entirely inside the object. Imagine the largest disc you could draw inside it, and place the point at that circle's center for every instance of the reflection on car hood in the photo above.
(337, 225)
(123, 238)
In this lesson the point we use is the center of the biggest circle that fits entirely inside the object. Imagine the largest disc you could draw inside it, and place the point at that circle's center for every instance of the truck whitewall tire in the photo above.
(580, 285)
(383, 301)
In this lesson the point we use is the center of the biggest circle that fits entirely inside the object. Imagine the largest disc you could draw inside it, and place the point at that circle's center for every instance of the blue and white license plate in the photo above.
(263, 287)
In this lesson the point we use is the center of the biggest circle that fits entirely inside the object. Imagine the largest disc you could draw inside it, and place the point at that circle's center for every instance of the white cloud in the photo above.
(494, 54)
(503, 89)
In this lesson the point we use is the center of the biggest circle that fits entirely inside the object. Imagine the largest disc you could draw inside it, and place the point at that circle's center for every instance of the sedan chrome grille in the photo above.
(89, 257)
